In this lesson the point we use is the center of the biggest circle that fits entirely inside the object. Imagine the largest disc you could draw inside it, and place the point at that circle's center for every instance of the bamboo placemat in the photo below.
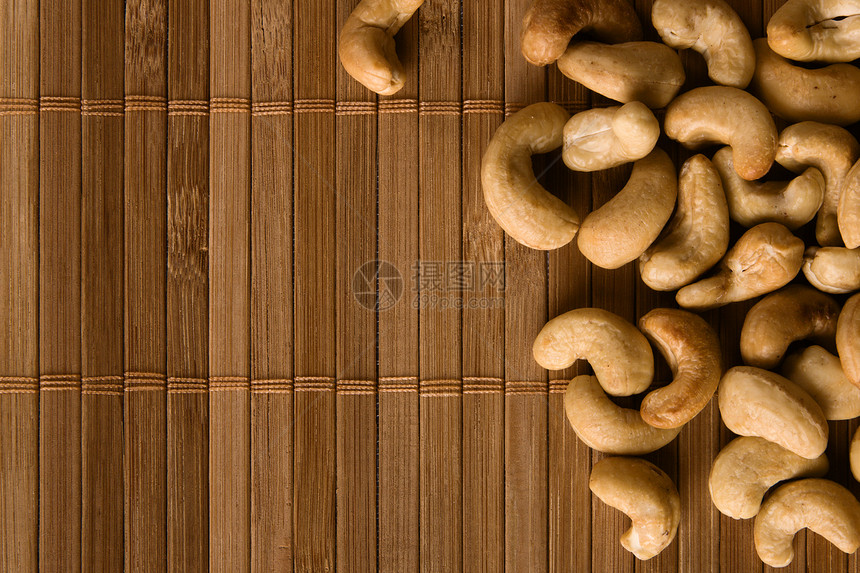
(256, 318)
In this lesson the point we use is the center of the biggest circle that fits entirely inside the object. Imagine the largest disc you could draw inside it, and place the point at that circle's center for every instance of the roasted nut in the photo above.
(820, 374)
(832, 269)
(692, 350)
(848, 210)
(549, 25)
(820, 505)
(815, 30)
(519, 204)
(854, 455)
(619, 354)
(648, 72)
(791, 203)
(793, 313)
(712, 28)
(848, 339)
(646, 495)
(697, 236)
(764, 259)
(719, 114)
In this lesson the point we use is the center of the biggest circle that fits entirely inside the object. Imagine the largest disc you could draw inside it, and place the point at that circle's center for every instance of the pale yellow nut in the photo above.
(648, 72)
(854, 455)
(644, 493)
(527, 212)
(697, 236)
(756, 402)
(816, 30)
(848, 339)
(606, 427)
(820, 373)
(848, 210)
(822, 506)
(832, 269)
(619, 354)
(747, 467)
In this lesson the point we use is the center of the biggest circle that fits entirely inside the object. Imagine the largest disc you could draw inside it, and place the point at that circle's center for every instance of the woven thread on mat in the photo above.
(440, 108)
(477, 385)
(356, 387)
(19, 106)
(398, 384)
(102, 385)
(230, 105)
(19, 385)
(228, 383)
(60, 382)
(525, 387)
(145, 103)
(272, 386)
(183, 385)
(398, 106)
(440, 388)
(355, 108)
(272, 108)
(60, 103)
(188, 107)
(558, 386)
(313, 383)
(103, 107)
(144, 381)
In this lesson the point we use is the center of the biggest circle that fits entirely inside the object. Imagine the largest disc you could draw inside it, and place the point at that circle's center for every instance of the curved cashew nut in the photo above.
(791, 203)
(816, 30)
(549, 25)
(848, 210)
(644, 493)
(796, 93)
(720, 114)
(832, 269)
(692, 349)
(712, 28)
(619, 354)
(748, 466)
(764, 259)
(820, 374)
(794, 313)
(519, 204)
(601, 138)
(854, 455)
(606, 427)
(830, 149)
(607, 238)
(366, 43)
(756, 402)
(820, 505)
(848, 339)
(634, 71)
(698, 235)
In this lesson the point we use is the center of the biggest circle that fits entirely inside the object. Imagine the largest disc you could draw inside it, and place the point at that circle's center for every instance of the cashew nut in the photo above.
(756, 402)
(764, 259)
(854, 455)
(366, 44)
(748, 466)
(820, 374)
(791, 203)
(549, 25)
(848, 210)
(606, 427)
(720, 114)
(816, 30)
(619, 354)
(692, 350)
(832, 269)
(607, 238)
(833, 151)
(796, 93)
(601, 138)
(698, 235)
(820, 505)
(648, 72)
(519, 204)
(712, 28)
(793, 313)
(646, 495)
(848, 339)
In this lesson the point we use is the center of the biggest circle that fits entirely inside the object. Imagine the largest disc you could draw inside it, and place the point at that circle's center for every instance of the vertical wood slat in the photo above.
(19, 286)
(271, 287)
(60, 287)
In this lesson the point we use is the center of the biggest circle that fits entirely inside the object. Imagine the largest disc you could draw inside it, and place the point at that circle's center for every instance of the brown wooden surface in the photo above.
(200, 211)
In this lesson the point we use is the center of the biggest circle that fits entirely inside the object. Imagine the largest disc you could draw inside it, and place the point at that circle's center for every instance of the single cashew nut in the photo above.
(366, 44)
(519, 204)
(820, 505)
(748, 466)
(832, 269)
(619, 354)
(791, 203)
(646, 495)
(607, 238)
(796, 93)
(848, 339)
(549, 25)
(820, 374)
(601, 138)
(854, 455)
(697, 236)
(793, 313)
(720, 114)
(848, 210)
(764, 259)
(648, 72)
(712, 28)
(606, 427)
(816, 30)
(756, 402)
(830, 149)
(692, 350)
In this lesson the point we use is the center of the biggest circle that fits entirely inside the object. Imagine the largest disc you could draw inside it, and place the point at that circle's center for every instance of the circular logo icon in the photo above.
(377, 285)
